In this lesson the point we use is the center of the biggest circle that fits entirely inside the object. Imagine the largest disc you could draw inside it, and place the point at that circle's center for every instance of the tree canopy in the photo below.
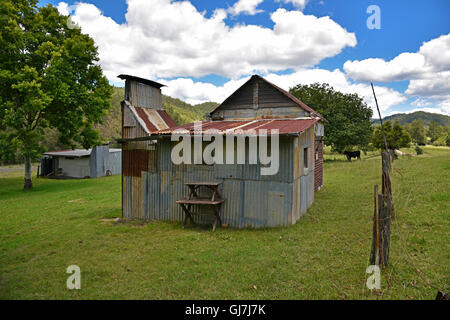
(417, 132)
(435, 131)
(348, 116)
(396, 136)
(50, 79)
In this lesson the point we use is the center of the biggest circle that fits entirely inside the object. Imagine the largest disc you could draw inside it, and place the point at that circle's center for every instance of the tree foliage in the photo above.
(348, 116)
(50, 79)
(435, 131)
(417, 132)
(396, 136)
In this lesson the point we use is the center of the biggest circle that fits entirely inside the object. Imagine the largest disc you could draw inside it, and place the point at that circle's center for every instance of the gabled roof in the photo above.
(284, 92)
(141, 80)
(232, 127)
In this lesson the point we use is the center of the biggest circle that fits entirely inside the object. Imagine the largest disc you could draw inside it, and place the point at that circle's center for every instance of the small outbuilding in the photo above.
(152, 183)
(81, 163)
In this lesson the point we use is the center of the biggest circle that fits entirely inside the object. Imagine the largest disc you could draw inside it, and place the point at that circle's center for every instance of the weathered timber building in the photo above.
(152, 183)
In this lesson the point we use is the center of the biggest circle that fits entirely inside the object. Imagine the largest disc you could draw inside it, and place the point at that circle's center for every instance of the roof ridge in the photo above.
(297, 101)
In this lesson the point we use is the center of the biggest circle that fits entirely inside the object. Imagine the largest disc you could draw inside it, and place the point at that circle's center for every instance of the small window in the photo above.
(305, 157)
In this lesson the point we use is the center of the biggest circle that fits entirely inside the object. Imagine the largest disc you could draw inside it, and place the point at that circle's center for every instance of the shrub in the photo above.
(419, 150)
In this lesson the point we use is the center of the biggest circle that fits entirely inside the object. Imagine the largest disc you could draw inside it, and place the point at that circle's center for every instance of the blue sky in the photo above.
(303, 46)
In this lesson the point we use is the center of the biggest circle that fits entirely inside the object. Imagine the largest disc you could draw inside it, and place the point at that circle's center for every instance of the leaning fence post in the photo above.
(375, 254)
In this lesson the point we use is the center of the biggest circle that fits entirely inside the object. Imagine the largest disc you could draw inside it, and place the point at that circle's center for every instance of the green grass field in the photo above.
(324, 256)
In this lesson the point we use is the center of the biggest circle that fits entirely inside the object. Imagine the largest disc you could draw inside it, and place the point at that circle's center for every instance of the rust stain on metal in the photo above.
(167, 119)
(143, 115)
(135, 161)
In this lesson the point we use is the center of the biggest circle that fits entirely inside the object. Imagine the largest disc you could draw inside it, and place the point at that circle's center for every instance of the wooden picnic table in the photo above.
(215, 201)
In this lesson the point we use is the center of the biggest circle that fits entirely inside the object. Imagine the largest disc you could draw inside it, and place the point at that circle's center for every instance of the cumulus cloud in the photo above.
(433, 86)
(197, 92)
(299, 4)
(63, 8)
(165, 39)
(245, 7)
(433, 56)
(420, 102)
(428, 71)
(403, 67)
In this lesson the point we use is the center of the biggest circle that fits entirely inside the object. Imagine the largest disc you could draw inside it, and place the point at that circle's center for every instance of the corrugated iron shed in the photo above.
(152, 183)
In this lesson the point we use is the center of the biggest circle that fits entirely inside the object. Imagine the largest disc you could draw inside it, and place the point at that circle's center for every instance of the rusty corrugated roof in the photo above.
(152, 120)
(288, 126)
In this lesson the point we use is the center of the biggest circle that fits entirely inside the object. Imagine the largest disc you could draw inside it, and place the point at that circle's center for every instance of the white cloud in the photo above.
(420, 102)
(63, 8)
(163, 39)
(427, 70)
(403, 67)
(431, 110)
(245, 7)
(445, 107)
(437, 53)
(386, 97)
(434, 87)
(299, 4)
(433, 56)
(197, 92)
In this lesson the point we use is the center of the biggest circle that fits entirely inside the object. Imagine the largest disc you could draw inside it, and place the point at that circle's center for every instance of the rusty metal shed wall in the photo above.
(252, 200)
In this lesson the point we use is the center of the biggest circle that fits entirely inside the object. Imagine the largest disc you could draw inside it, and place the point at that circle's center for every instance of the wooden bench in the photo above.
(215, 201)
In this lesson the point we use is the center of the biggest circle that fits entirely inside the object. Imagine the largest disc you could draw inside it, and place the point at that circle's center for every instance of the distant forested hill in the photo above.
(426, 117)
(182, 112)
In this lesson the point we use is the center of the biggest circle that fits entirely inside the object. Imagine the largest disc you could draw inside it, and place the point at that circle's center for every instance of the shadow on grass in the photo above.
(13, 187)
(334, 160)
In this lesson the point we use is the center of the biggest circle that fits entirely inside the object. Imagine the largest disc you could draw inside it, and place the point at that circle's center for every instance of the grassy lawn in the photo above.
(323, 256)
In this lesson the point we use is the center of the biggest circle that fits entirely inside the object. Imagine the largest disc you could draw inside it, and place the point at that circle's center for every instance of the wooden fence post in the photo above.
(382, 217)
(375, 253)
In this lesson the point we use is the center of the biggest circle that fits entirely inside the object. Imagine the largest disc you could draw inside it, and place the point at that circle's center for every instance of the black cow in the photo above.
(352, 154)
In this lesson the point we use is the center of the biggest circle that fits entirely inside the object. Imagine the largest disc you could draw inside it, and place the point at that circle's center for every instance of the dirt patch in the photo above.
(77, 201)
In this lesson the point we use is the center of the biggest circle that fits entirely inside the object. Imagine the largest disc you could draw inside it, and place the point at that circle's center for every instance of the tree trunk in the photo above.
(28, 179)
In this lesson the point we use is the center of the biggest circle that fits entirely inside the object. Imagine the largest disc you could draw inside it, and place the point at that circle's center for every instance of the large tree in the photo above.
(50, 77)
(417, 132)
(348, 116)
(435, 131)
(396, 136)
